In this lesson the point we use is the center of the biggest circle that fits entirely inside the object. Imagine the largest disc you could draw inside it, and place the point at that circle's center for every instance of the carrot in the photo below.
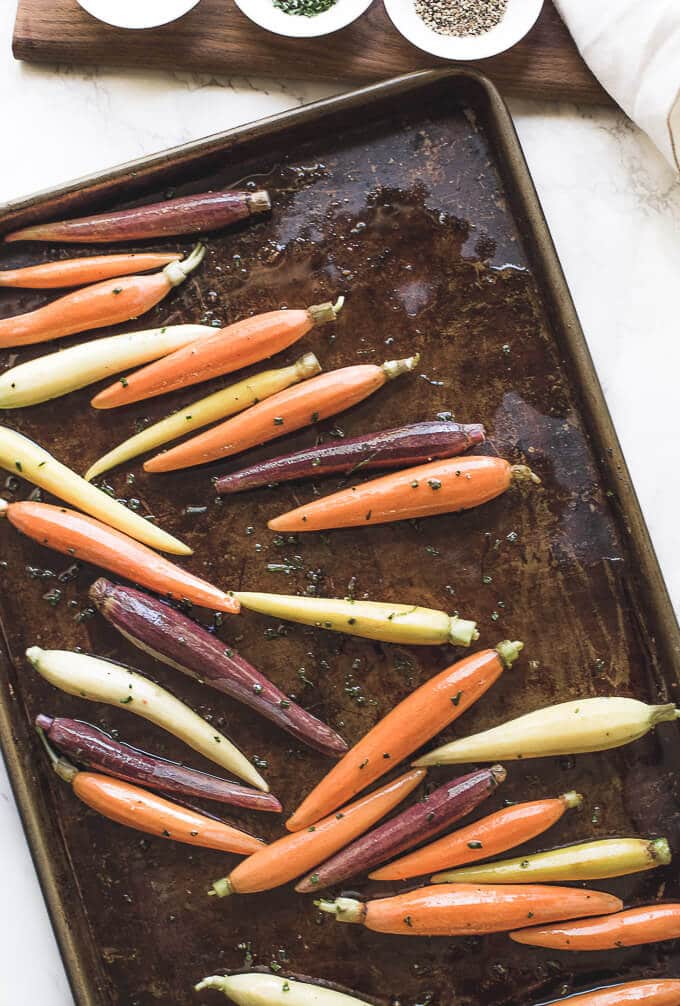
(647, 924)
(137, 808)
(238, 345)
(253, 988)
(421, 715)
(225, 402)
(293, 855)
(96, 679)
(655, 992)
(438, 487)
(105, 303)
(577, 727)
(607, 857)
(78, 271)
(89, 540)
(469, 909)
(154, 815)
(289, 410)
(487, 837)
(55, 374)
(21, 456)
(201, 211)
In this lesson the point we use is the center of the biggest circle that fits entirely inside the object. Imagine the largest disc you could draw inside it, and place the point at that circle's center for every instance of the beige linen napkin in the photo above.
(633, 48)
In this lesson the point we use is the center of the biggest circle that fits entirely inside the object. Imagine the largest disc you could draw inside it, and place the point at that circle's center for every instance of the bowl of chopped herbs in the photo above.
(303, 18)
(463, 29)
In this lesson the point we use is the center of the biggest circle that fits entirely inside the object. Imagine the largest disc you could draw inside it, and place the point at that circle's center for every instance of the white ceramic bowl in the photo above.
(137, 13)
(520, 16)
(266, 15)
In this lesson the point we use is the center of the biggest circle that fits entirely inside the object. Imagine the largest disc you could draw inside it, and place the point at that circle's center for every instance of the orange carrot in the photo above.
(105, 303)
(135, 807)
(469, 909)
(78, 271)
(284, 412)
(421, 715)
(435, 488)
(293, 855)
(88, 540)
(495, 833)
(647, 924)
(654, 992)
(229, 349)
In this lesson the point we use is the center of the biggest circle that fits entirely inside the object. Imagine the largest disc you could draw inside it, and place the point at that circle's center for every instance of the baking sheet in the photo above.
(411, 197)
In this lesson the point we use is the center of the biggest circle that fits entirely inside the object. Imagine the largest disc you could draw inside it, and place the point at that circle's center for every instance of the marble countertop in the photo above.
(613, 206)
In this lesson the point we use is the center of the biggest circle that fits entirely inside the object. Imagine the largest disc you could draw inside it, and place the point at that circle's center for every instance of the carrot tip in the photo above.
(462, 632)
(572, 799)
(321, 314)
(344, 909)
(395, 368)
(221, 888)
(509, 651)
(259, 202)
(522, 473)
(218, 982)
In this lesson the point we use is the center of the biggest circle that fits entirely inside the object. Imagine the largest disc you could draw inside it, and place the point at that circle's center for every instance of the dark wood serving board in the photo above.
(216, 38)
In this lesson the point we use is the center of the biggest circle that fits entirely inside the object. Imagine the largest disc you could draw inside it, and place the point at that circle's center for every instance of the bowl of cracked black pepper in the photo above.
(463, 29)
(303, 18)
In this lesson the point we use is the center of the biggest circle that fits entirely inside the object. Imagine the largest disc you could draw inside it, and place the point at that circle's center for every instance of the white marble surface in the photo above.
(614, 209)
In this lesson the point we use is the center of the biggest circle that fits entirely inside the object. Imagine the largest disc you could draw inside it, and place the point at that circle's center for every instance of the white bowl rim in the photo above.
(269, 17)
(519, 19)
(137, 13)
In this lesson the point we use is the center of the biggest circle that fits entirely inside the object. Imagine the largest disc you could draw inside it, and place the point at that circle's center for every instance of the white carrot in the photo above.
(100, 680)
(219, 405)
(255, 989)
(24, 457)
(390, 623)
(57, 374)
(578, 727)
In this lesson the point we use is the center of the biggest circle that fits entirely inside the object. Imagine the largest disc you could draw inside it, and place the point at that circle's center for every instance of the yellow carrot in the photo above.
(24, 457)
(609, 857)
(57, 374)
(219, 405)
(391, 623)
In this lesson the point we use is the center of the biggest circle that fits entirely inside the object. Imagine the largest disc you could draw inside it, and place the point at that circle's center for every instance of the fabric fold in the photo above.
(633, 48)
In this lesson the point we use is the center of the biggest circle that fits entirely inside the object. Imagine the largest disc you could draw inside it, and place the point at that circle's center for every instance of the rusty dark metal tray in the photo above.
(414, 198)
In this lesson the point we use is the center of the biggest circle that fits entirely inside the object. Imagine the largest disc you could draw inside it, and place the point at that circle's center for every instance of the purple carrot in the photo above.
(418, 823)
(206, 211)
(173, 638)
(95, 749)
(400, 447)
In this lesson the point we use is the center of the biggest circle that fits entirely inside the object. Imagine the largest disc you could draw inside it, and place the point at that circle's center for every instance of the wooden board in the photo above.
(215, 37)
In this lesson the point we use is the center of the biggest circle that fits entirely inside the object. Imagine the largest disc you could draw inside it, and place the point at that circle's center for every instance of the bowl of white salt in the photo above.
(463, 29)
